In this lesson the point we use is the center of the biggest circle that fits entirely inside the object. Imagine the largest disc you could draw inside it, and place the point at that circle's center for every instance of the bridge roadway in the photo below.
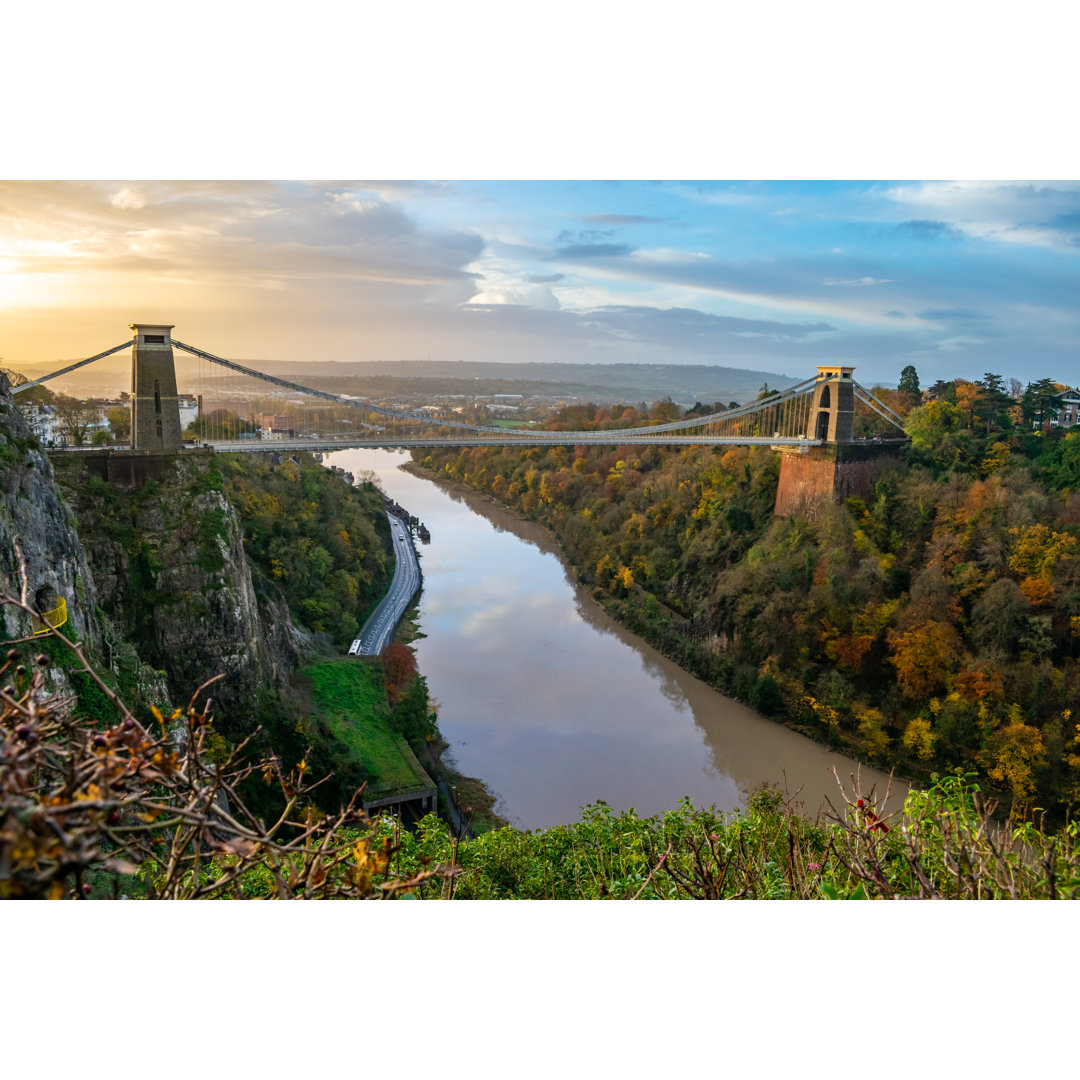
(545, 438)
(379, 628)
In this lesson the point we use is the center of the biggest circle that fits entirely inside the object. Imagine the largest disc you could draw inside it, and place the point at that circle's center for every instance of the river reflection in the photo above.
(550, 701)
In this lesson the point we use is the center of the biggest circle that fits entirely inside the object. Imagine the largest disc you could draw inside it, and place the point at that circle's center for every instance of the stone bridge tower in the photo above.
(155, 412)
(841, 468)
(832, 411)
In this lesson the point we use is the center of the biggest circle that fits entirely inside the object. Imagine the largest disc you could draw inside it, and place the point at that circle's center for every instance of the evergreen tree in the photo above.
(909, 381)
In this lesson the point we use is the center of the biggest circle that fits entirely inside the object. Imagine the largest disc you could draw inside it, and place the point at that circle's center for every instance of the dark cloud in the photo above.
(685, 326)
(621, 219)
(950, 313)
(927, 230)
(684, 333)
(544, 279)
(584, 236)
(593, 251)
(896, 314)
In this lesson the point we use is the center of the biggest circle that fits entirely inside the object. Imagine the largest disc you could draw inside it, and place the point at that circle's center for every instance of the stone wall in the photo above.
(829, 474)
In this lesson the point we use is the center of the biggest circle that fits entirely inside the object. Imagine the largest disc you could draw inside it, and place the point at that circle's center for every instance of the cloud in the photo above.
(922, 229)
(1034, 214)
(592, 251)
(523, 295)
(544, 279)
(860, 281)
(230, 234)
(621, 219)
(687, 325)
(896, 314)
(950, 313)
(584, 236)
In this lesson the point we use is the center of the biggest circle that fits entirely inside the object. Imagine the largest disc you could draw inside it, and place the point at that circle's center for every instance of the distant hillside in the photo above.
(683, 383)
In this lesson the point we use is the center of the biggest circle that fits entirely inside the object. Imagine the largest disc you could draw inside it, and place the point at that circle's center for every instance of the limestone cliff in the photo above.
(41, 559)
(167, 556)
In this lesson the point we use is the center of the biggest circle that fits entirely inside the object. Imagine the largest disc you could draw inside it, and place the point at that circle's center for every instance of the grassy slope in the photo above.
(348, 696)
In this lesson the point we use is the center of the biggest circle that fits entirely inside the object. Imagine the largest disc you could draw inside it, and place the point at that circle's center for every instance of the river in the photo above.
(550, 702)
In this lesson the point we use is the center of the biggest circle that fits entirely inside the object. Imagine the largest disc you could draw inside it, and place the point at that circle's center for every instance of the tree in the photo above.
(120, 422)
(937, 435)
(399, 667)
(76, 417)
(1011, 755)
(993, 402)
(909, 381)
(1040, 405)
(923, 656)
(943, 391)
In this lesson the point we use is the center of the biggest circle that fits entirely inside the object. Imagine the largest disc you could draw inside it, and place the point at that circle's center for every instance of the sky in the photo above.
(954, 277)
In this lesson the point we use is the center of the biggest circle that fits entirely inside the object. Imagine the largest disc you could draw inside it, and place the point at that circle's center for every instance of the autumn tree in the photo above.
(922, 657)
(399, 666)
(120, 422)
(1012, 755)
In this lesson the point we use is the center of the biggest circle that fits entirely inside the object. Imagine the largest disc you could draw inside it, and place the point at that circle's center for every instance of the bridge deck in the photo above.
(550, 438)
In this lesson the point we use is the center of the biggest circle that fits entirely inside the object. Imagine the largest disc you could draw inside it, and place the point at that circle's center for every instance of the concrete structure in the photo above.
(155, 412)
(130, 469)
(823, 475)
(413, 800)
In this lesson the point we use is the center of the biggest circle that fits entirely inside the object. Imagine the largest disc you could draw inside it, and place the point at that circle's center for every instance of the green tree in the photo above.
(1040, 405)
(993, 402)
(909, 381)
(937, 435)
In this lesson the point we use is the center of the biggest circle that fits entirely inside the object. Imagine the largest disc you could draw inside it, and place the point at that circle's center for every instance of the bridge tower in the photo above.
(839, 469)
(155, 412)
(832, 410)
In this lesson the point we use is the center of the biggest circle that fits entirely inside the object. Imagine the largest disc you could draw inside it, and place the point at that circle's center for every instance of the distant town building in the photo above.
(189, 409)
(42, 422)
(1069, 402)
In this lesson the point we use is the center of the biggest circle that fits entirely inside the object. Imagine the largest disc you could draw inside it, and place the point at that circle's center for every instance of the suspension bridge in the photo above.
(243, 409)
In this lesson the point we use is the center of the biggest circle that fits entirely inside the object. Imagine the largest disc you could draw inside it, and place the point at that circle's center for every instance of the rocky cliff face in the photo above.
(170, 569)
(41, 559)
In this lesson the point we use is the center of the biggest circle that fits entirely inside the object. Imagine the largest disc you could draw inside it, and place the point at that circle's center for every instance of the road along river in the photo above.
(378, 631)
(550, 702)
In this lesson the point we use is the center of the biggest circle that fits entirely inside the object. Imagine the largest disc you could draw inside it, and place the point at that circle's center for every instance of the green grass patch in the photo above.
(348, 697)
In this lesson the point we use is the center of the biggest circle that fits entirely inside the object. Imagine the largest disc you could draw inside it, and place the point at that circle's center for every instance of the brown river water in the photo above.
(550, 702)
